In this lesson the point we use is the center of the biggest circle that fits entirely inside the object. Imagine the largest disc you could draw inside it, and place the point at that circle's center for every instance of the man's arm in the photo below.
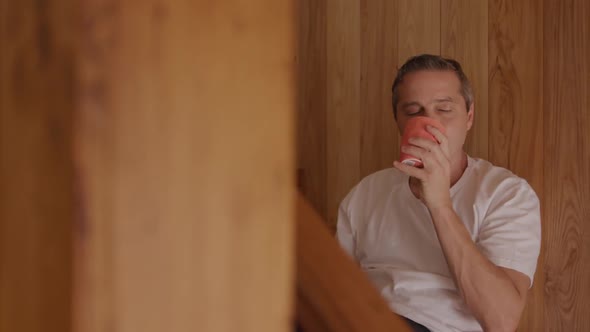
(496, 296)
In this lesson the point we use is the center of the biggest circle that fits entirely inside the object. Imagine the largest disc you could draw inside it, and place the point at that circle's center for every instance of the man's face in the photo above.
(437, 95)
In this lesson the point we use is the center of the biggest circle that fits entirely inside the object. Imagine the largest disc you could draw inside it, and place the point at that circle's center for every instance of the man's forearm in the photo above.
(487, 289)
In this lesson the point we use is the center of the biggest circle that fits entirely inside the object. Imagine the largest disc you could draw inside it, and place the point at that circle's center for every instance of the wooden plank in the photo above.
(36, 200)
(566, 100)
(343, 102)
(515, 112)
(311, 103)
(515, 85)
(379, 143)
(464, 37)
(185, 160)
(418, 28)
(333, 294)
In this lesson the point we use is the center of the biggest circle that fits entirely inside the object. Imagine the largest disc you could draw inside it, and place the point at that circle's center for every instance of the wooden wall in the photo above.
(147, 165)
(348, 54)
(566, 171)
(528, 62)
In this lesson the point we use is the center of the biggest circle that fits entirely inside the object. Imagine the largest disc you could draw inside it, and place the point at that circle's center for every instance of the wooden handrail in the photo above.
(333, 294)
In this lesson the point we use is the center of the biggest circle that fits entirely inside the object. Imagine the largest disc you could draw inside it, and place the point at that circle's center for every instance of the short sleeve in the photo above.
(344, 231)
(510, 234)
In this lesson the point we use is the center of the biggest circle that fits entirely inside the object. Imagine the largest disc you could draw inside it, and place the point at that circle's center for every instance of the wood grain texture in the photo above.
(379, 138)
(516, 113)
(36, 200)
(566, 99)
(464, 37)
(311, 102)
(185, 165)
(343, 102)
(333, 294)
(418, 28)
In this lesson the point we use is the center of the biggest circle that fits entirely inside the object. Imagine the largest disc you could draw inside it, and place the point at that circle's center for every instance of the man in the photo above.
(452, 246)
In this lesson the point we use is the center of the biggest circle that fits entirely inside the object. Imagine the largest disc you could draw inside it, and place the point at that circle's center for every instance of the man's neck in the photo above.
(458, 166)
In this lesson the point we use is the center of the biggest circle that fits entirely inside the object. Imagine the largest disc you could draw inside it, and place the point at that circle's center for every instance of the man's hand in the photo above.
(435, 176)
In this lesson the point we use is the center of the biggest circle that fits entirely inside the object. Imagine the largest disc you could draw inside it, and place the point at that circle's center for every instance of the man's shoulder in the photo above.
(381, 181)
(387, 175)
(375, 184)
(486, 171)
(493, 179)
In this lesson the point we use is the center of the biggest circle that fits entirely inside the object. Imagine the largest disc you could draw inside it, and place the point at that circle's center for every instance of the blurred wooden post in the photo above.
(36, 165)
(158, 135)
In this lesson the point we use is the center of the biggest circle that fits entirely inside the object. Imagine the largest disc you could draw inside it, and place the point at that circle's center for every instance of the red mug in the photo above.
(416, 127)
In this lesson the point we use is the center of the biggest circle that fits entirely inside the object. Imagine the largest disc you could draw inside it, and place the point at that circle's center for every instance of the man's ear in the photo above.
(470, 115)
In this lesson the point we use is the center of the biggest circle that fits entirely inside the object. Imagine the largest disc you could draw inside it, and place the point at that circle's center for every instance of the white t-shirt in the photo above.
(389, 232)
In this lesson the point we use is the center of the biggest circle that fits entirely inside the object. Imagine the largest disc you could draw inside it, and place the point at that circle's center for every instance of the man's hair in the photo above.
(433, 63)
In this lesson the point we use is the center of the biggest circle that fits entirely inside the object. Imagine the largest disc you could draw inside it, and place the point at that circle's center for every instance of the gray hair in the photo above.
(431, 62)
